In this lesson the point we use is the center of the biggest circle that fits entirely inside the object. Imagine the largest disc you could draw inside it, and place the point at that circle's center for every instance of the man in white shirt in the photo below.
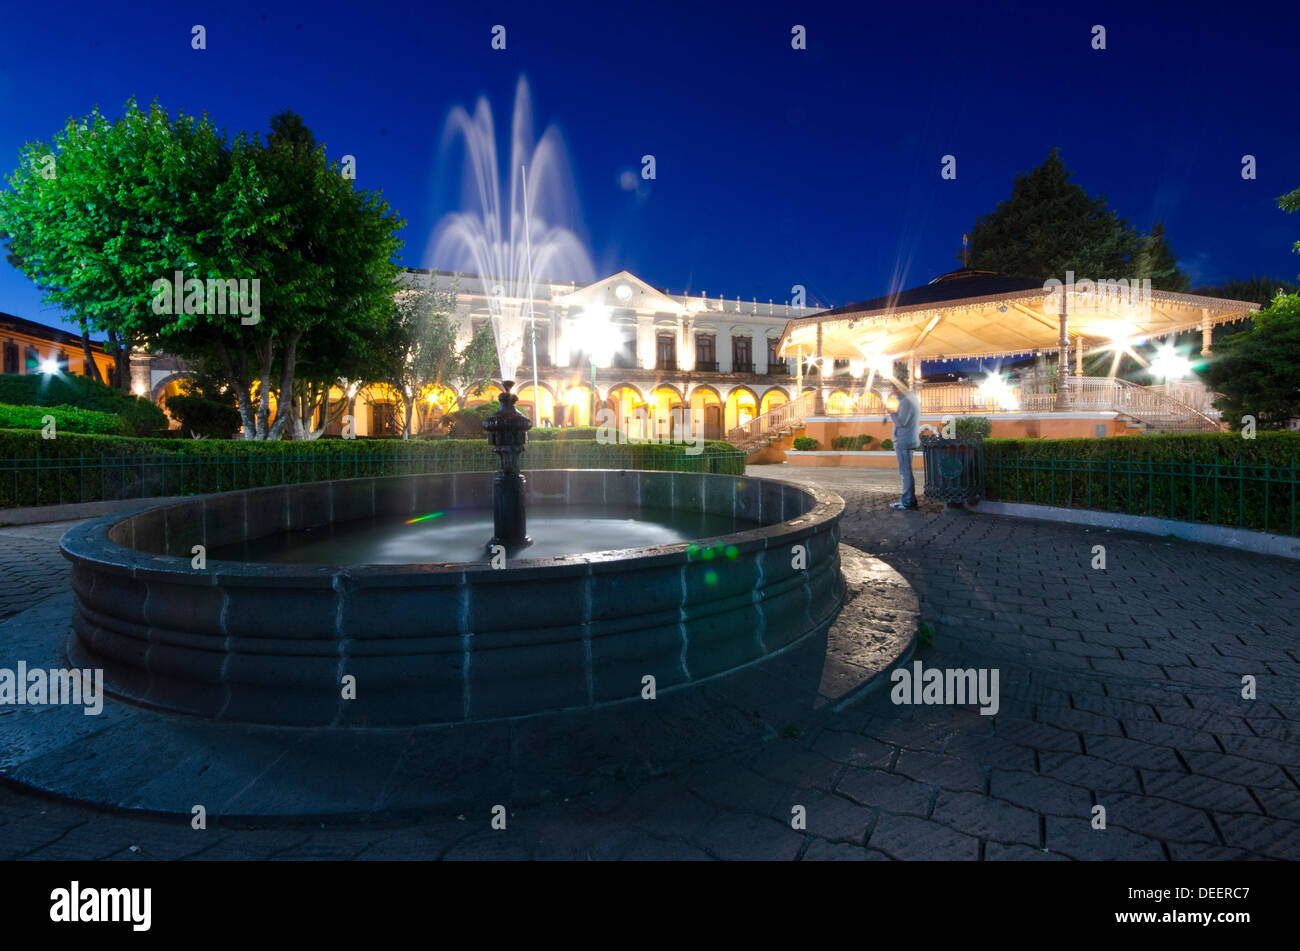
(906, 416)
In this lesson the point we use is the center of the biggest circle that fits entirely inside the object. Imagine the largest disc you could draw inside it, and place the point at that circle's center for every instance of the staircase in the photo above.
(761, 431)
(1146, 410)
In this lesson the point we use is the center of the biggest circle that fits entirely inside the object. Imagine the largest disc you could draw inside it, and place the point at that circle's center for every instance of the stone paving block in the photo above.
(986, 818)
(853, 750)
(828, 816)
(745, 837)
(1040, 794)
(1200, 792)
(997, 852)
(888, 791)
(1089, 772)
(1264, 835)
(1079, 840)
(904, 837)
(948, 772)
(1236, 769)
(1117, 749)
(820, 850)
(1158, 818)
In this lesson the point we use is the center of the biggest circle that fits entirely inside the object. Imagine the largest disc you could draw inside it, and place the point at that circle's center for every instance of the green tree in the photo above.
(421, 348)
(1255, 370)
(325, 253)
(123, 204)
(476, 366)
(1050, 226)
(105, 208)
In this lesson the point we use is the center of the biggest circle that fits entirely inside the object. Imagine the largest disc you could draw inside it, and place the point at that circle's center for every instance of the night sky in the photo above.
(775, 167)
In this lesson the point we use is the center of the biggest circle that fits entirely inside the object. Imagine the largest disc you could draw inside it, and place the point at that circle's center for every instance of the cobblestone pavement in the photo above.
(1118, 687)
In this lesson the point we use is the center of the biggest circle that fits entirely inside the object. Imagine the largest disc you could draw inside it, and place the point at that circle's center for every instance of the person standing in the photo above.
(906, 417)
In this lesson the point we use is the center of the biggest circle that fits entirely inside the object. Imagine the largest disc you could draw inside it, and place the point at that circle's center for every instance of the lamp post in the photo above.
(507, 431)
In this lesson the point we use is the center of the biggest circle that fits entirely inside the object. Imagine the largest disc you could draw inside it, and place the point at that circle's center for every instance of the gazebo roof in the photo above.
(971, 313)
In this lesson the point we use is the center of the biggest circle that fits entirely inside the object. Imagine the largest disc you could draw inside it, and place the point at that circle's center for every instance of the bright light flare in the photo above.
(995, 390)
(598, 334)
(49, 367)
(1169, 364)
(424, 518)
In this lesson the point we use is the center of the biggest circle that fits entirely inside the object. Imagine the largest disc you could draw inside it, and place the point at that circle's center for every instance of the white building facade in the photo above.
(665, 352)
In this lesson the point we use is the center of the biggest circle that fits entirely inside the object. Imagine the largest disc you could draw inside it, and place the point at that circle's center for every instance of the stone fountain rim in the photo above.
(90, 541)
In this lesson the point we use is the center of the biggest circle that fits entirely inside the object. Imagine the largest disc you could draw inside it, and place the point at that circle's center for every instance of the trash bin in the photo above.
(954, 469)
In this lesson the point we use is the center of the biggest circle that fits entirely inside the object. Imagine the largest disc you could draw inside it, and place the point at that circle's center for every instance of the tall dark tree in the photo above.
(1050, 226)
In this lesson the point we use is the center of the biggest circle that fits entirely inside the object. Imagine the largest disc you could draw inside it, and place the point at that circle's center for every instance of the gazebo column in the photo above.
(819, 400)
(1078, 357)
(1207, 334)
(1063, 359)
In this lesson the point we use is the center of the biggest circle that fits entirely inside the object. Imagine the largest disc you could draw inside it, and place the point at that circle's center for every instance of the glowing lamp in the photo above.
(49, 367)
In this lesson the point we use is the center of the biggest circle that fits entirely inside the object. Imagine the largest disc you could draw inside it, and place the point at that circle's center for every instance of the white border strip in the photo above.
(1262, 543)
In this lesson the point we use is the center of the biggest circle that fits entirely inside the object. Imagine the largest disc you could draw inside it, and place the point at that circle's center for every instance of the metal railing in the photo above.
(772, 421)
(1260, 496)
(39, 480)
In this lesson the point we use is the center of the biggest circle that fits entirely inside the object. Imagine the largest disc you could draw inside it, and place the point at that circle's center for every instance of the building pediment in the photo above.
(622, 291)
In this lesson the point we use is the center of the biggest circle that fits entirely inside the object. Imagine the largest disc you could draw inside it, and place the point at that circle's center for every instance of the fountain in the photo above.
(714, 594)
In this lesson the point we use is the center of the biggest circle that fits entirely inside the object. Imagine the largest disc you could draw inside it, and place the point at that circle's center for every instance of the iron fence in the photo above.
(35, 480)
(1258, 495)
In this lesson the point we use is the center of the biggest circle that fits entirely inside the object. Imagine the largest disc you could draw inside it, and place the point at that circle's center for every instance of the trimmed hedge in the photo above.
(142, 417)
(67, 419)
(804, 444)
(852, 443)
(83, 468)
(1214, 478)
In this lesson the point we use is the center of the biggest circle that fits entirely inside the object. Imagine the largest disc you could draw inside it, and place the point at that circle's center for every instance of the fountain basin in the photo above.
(445, 643)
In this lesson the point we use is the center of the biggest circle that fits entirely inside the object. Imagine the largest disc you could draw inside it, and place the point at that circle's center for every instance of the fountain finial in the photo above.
(507, 431)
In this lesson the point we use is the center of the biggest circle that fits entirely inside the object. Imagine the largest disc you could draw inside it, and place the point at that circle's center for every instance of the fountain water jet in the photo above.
(506, 246)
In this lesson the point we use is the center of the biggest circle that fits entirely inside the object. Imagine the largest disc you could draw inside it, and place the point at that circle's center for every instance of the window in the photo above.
(32, 359)
(11, 358)
(666, 353)
(742, 355)
(383, 419)
(774, 363)
(705, 356)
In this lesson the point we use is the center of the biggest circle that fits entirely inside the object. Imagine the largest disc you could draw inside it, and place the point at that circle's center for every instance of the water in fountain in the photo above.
(489, 238)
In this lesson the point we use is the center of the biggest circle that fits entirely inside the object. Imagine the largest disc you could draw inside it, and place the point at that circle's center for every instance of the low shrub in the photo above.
(973, 426)
(805, 443)
(886, 444)
(67, 419)
(856, 443)
(200, 417)
(467, 423)
(142, 417)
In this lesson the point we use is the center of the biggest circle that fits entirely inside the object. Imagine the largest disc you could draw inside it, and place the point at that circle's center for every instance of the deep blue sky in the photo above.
(775, 167)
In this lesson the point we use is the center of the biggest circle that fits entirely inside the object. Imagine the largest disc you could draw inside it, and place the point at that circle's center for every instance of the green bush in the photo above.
(86, 468)
(544, 433)
(467, 423)
(856, 443)
(886, 444)
(1216, 478)
(805, 443)
(200, 417)
(67, 419)
(142, 417)
(972, 426)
